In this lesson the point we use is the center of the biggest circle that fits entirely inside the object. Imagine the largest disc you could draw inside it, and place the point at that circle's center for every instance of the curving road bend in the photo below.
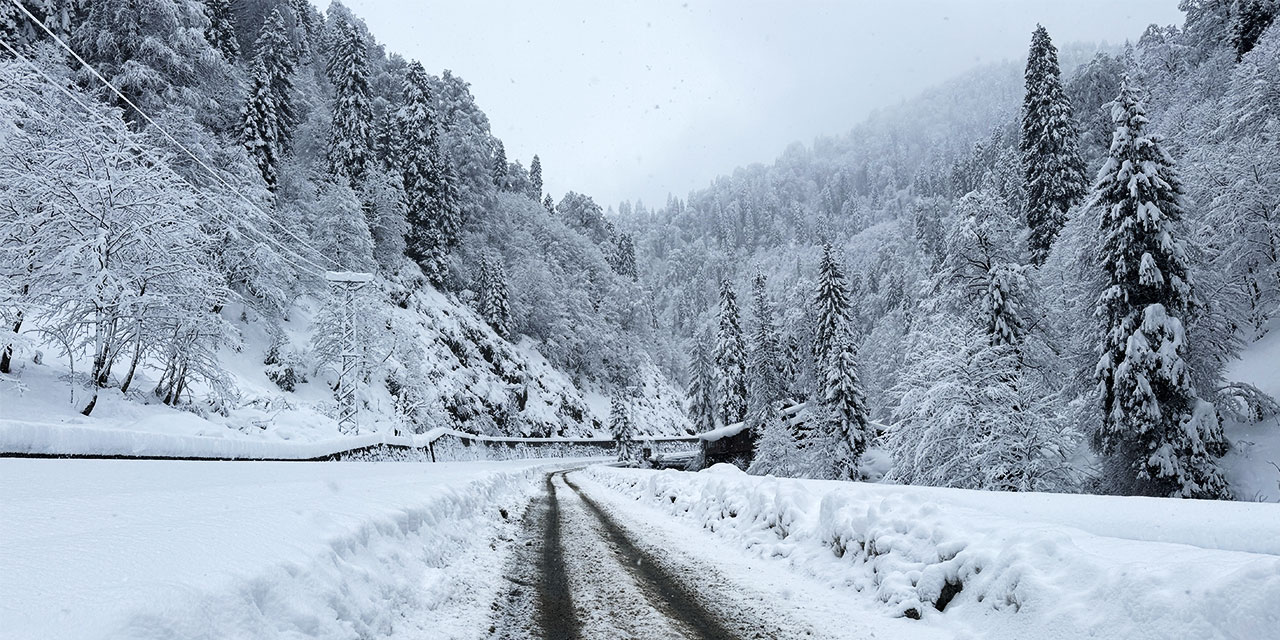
(581, 570)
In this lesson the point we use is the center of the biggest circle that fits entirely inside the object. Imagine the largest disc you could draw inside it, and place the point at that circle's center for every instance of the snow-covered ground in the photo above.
(1253, 465)
(470, 380)
(161, 549)
(1028, 565)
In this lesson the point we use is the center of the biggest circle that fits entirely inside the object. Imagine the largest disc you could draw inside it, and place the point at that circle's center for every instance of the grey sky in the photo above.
(627, 100)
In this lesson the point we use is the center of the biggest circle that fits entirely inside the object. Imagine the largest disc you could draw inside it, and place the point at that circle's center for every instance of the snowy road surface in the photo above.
(584, 568)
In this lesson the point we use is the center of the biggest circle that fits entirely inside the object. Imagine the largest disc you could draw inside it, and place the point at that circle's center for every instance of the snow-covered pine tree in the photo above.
(222, 29)
(549, 204)
(535, 178)
(260, 128)
(624, 256)
(620, 424)
(1157, 435)
(843, 431)
(351, 133)
(383, 197)
(415, 155)
(495, 307)
(1052, 168)
(499, 169)
(701, 394)
(730, 361)
(305, 26)
(276, 54)
(765, 386)
(777, 452)
(1251, 21)
(831, 306)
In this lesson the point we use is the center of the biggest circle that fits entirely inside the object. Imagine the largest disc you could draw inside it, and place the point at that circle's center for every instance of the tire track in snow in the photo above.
(578, 572)
(667, 594)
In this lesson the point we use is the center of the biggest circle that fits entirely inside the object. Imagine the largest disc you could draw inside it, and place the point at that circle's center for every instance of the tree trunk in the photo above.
(133, 366)
(92, 402)
(6, 356)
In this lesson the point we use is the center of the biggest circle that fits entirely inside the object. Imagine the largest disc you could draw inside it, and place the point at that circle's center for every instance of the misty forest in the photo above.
(246, 230)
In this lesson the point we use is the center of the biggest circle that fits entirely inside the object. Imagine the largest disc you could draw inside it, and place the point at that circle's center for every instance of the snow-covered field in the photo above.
(1028, 565)
(160, 549)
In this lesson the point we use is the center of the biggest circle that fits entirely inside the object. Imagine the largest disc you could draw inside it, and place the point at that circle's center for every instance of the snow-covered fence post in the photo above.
(347, 283)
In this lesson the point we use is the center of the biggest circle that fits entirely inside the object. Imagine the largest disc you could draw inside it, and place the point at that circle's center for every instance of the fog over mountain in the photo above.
(636, 100)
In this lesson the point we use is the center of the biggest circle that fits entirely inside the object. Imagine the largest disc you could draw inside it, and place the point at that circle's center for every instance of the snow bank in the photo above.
(1042, 564)
(162, 549)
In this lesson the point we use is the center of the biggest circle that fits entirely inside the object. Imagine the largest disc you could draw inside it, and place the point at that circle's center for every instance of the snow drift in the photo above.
(1049, 565)
(112, 549)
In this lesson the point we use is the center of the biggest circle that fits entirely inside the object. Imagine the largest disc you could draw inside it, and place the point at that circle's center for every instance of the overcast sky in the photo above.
(635, 100)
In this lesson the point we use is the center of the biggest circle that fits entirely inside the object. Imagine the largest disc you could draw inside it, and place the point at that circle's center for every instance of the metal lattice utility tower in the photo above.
(346, 284)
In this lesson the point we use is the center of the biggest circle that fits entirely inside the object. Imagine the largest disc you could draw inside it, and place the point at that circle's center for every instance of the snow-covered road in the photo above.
(589, 566)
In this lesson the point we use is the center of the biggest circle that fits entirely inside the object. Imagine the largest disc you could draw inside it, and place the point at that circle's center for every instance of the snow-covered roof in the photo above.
(723, 432)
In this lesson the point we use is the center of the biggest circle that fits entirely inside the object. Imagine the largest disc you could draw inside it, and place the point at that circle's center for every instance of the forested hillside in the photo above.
(177, 177)
(1031, 278)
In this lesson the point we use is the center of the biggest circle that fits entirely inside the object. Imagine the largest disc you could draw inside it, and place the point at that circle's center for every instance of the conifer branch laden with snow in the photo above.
(730, 361)
(1052, 168)
(350, 136)
(1157, 433)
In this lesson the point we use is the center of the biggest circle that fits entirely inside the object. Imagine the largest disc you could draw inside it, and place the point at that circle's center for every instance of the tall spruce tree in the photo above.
(844, 432)
(221, 32)
(351, 133)
(274, 49)
(701, 393)
(430, 201)
(495, 307)
(832, 305)
(549, 204)
(153, 51)
(1052, 168)
(1158, 436)
(306, 26)
(764, 364)
(267, 117)
(620, 424)
(498, 171)
(260, 124)
(730, 360)
(624, 256)
(535, 178)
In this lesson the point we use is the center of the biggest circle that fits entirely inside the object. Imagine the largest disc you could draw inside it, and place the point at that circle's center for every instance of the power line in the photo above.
(314, 269)
(198, 161)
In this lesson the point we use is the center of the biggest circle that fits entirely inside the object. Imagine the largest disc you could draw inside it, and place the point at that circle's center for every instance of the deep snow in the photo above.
(161, 549)
(1030, 565)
